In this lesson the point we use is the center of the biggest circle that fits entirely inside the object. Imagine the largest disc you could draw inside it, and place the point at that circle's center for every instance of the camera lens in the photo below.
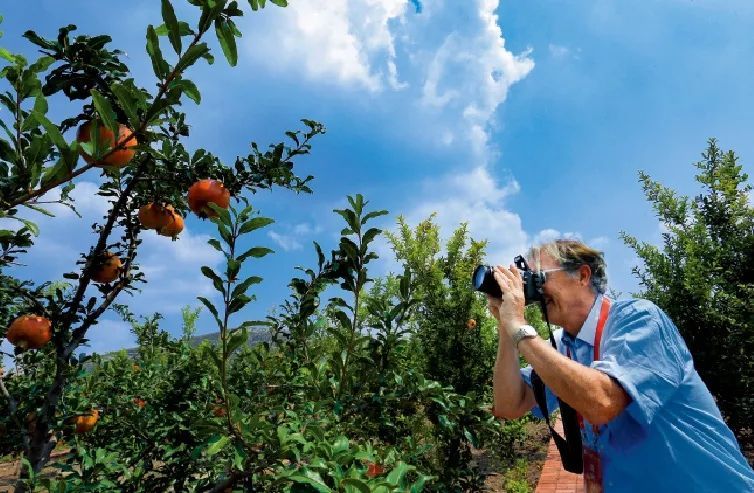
(483, 281)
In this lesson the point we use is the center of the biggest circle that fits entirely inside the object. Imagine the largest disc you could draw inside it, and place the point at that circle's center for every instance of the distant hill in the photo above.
(255, 337)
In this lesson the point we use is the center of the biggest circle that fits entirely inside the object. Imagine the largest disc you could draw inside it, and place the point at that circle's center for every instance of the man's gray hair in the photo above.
(572, 254)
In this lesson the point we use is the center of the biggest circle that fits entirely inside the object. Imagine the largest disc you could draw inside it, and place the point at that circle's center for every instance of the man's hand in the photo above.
(509, 311)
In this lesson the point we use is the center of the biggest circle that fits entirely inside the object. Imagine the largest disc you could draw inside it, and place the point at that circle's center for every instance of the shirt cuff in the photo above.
(645, 401)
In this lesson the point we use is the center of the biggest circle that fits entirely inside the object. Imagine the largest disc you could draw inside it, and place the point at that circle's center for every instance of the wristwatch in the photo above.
(523, 332)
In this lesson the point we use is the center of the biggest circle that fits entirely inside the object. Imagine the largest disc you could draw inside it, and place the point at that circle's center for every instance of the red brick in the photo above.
(554, 479)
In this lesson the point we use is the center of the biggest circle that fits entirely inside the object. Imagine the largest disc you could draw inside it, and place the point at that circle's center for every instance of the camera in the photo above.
(483, 281)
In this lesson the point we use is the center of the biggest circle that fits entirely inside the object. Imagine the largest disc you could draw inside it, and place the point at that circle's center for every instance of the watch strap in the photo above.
(523, 332)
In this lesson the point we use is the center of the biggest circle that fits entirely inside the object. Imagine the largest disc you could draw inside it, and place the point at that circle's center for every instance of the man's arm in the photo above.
(593, 394)
(511, 397)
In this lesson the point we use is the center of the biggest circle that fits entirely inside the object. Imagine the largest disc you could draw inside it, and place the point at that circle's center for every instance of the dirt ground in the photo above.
(533, 449)
(9, 472)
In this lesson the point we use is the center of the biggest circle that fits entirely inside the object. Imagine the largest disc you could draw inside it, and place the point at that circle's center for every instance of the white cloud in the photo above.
(476, 199)
(286, 242)
(348, 41)
(558, 51)
(476, 71)
(292, 239)
(465, 75)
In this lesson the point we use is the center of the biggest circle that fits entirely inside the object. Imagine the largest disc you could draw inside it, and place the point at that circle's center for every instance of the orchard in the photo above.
(340, 398)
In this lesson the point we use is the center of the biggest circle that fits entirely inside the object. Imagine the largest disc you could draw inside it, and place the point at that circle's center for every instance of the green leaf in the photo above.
(237, 339)
(42, 64)
(342, 317)
(52, 131)
(209, 306)
(210, 274)
(369, 236)
(256, 252)
(246, 284)
(217, 445)
(191, 56)
(255, 223)
(216, 244)
(56, 173)
(40, 210)
(183, 29)
(341, 445)
(126, 102)
(398, 473)
(106, 113)
(373, 214)
(40, 105)
(174, 31)
(227, 39)
(159, 65)
(33, 228)
(350, 218)
(280, 3)
(312, 479)
(239, 302)
(216, 359)
(353, 482)
(188, 88)
(8, 56)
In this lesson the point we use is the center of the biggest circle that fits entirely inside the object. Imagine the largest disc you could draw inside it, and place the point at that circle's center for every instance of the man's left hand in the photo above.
(513, 304)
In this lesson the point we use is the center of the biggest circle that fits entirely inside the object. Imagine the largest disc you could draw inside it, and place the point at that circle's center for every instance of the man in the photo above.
(649, 423)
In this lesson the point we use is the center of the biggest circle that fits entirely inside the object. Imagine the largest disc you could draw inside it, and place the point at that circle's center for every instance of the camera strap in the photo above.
(570, 447)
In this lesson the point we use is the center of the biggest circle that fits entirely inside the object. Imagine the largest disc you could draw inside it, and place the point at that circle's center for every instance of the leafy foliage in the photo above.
(380, 388)
(702, 277)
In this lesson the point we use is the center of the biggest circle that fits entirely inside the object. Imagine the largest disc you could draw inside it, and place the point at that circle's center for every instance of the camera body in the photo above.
(483, 281)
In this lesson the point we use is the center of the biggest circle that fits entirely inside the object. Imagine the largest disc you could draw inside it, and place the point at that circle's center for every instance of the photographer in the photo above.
(647, 421)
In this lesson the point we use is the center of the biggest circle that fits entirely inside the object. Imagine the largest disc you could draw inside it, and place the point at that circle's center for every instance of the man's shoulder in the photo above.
(633, 307)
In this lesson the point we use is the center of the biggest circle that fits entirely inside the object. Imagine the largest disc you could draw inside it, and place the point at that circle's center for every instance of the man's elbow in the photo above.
(601, 413)
(509, 414)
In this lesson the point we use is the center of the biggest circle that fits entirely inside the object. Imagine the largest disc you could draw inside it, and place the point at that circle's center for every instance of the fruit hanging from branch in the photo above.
(201, 193)
(108, 269)
(29, 332)
(172, 227)
(106, 140)
(163, 219)
(86, 422)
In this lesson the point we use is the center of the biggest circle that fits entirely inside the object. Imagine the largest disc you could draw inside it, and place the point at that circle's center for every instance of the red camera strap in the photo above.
(604, 311)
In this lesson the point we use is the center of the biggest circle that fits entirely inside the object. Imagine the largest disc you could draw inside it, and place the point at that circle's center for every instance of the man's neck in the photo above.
(580, 312)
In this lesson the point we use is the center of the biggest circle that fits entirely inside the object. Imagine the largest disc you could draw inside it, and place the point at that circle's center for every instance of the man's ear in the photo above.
(585, 275)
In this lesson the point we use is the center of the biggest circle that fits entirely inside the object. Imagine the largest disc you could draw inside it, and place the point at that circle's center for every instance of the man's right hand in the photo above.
(493, 304)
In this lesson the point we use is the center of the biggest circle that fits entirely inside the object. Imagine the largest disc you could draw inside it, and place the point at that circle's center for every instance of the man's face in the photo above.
(562, 291)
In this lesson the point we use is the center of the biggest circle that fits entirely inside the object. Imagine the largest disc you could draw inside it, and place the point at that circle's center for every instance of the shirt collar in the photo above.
(588, 330)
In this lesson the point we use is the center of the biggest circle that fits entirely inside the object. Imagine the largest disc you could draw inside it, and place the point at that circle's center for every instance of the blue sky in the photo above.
(527, 119)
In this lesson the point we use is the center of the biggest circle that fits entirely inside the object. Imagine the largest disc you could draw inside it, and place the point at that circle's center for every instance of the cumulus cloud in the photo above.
(285, 242)
(472, 71)
(474, 198)
(294, 235)
(349, 41)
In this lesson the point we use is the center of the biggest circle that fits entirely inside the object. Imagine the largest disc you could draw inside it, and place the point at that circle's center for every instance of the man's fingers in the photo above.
(511, 280)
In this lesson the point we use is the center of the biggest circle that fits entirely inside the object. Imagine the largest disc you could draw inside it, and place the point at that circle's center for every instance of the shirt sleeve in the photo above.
(552, 401)
(641, 350)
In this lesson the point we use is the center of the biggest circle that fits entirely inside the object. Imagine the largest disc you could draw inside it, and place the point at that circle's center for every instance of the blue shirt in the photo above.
(671, 437)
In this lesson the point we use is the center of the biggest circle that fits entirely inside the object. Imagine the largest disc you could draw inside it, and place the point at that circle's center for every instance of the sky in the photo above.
(527, 120)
